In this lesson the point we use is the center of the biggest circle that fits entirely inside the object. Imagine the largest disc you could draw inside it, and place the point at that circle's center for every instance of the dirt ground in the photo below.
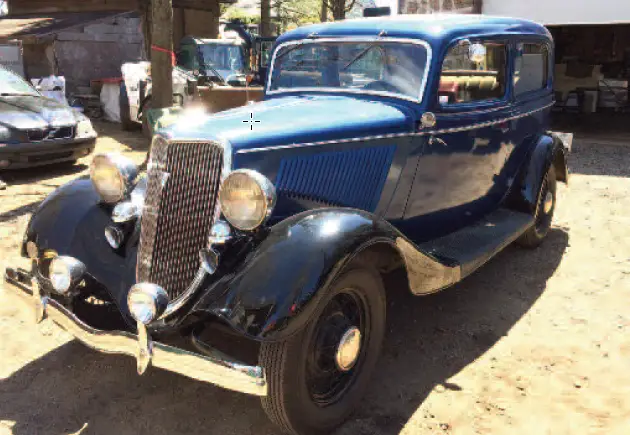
(536, 342)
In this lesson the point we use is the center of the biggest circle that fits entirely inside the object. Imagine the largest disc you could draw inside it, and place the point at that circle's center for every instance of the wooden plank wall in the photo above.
(50, 6)
(47, 6)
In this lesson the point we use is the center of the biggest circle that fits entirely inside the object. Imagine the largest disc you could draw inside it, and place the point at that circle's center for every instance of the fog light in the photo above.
(146, 302)
(4, 163)
(114, 236)
(65, 273)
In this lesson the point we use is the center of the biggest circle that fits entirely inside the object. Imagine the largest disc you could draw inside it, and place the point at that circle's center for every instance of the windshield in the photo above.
(386, 67)
(12, 84)
(225, 59)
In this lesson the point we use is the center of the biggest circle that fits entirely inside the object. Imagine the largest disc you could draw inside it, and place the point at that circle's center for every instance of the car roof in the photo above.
(195, 40)
(434, 28)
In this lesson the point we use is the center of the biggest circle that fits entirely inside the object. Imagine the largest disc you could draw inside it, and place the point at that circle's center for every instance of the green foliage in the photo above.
(236, 13)
(295, 13)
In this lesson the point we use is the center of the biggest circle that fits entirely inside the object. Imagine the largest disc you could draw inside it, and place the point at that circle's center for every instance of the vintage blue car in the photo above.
(263, 233)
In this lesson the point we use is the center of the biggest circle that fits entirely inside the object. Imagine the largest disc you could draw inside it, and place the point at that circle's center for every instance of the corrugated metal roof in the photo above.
(40, 25)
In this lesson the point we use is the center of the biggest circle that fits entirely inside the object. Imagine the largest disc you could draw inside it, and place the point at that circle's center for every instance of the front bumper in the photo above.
(215, 370)
(27, 155)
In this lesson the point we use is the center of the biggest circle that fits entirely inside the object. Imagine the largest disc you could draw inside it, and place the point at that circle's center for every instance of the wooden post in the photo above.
(477, 6)
(161, 53)
(323, 13)
(265, 18)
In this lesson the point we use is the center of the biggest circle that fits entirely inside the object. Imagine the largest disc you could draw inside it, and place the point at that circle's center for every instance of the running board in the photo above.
(471, 247)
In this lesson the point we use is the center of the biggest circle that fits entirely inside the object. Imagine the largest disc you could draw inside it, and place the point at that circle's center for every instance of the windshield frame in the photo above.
(364, 39)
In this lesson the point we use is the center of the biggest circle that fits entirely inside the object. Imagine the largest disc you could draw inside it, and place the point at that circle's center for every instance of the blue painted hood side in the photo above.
(299, 119)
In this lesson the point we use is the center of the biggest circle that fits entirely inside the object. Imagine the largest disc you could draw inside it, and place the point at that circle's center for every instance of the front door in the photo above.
(460, 176)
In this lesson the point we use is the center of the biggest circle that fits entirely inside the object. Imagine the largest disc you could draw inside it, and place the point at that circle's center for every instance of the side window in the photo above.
(531, 70)
(187, 58)
(466, 79)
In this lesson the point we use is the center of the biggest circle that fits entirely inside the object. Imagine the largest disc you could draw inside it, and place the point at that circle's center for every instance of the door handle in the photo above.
(436, 140)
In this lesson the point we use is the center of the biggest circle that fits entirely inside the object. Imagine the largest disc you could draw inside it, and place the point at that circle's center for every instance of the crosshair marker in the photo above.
(251, 121)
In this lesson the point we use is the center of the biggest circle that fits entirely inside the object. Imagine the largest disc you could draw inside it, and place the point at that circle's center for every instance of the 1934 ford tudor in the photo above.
(413, 142)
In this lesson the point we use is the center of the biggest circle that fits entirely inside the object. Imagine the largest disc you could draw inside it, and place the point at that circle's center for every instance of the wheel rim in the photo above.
(337, 348)
(544, 210)
(548, 204)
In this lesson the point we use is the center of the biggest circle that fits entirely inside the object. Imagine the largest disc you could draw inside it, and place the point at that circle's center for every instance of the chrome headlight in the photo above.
(147, 302)
(247, 199)
(65, 272)
(113, 176)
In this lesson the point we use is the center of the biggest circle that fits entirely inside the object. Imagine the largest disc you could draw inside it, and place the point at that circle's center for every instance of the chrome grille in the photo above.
(180, 208)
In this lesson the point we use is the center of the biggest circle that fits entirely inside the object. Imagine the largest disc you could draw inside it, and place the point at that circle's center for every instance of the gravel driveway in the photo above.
(536, 342)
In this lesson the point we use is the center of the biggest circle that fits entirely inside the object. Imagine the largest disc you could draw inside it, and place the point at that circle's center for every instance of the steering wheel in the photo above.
(380, 85)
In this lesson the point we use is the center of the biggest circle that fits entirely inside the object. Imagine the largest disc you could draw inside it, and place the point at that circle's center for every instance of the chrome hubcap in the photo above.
(548, 205)
(348, 349)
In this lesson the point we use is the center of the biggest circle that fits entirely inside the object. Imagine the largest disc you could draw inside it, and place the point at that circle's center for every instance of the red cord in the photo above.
(164, 50)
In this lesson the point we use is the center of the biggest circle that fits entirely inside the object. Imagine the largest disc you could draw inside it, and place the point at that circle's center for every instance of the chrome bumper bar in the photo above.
(215, 370)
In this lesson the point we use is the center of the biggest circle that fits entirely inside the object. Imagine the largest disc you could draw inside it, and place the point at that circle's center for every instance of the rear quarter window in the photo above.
(531, 71)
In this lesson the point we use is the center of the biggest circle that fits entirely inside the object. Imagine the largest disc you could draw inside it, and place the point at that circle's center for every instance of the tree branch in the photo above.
(352, 3)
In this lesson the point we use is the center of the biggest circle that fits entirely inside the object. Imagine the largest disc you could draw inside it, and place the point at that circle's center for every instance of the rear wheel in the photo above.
(317, 376)
(545, 208)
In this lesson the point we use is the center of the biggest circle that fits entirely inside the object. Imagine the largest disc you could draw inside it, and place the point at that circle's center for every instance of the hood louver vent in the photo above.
(352, 178)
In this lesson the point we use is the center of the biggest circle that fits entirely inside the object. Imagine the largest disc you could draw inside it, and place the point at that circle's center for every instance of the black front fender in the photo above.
(277, 288)
(71, 221)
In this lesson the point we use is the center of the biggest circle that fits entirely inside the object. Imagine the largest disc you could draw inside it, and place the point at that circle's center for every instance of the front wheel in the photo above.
(545, 208)
(317, 375)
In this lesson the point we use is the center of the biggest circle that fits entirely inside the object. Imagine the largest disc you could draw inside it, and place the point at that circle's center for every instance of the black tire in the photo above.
(146, 128)
(297, 400)
(125, 115)
(534, 236)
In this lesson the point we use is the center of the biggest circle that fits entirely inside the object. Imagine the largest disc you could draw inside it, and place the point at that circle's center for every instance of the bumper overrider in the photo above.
(216, 370)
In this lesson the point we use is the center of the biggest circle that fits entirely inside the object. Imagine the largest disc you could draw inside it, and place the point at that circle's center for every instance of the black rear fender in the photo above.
(548, 151)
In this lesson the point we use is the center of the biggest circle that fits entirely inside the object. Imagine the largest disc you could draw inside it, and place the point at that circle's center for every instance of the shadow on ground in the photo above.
(429, 340)
(593, 158)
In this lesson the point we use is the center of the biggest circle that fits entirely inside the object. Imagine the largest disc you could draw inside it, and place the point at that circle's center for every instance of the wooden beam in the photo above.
(161, 53)
(48, 6)
(200, 5)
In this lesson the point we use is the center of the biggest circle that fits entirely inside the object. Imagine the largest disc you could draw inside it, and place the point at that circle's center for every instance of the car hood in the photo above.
(26, 112)
(297, 120)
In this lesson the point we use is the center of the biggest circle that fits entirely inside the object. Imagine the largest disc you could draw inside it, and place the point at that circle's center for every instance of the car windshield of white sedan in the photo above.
(12, 84)
(370, 67)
